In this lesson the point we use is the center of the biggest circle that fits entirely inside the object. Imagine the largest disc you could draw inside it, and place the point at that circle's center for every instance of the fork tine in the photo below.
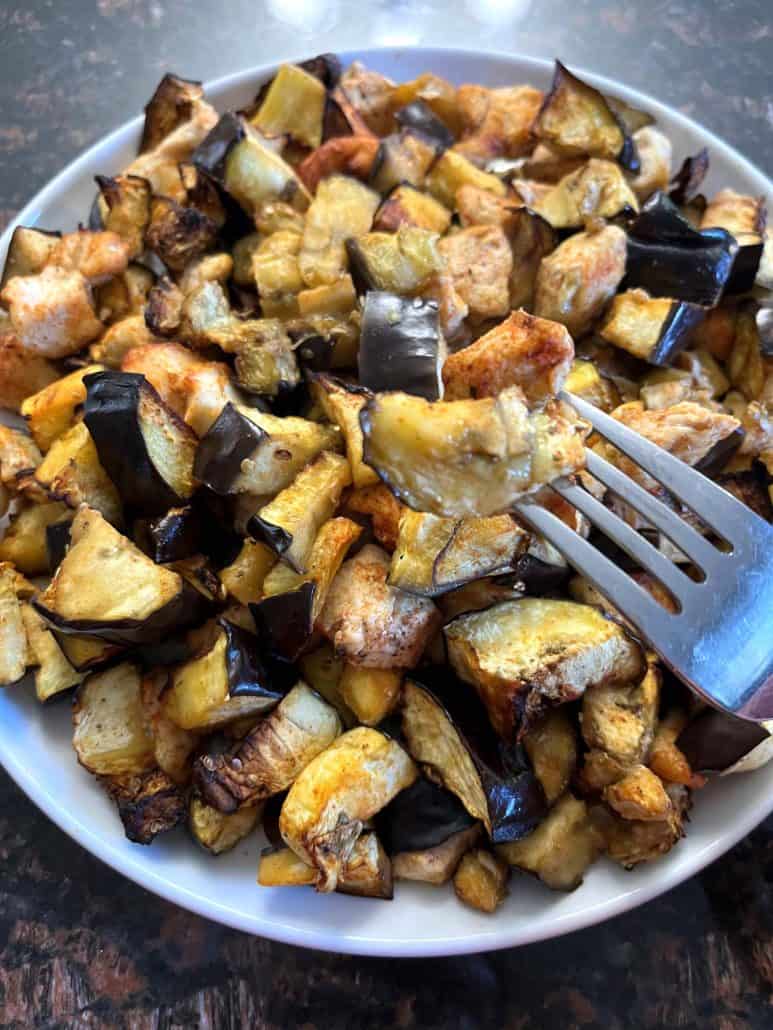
(714, 506)
(651, 620)
(669, 574)
(655, 512)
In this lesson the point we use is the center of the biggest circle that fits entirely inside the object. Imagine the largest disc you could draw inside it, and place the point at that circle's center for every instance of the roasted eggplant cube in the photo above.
(290, 522)
(234, 155)
(667, 257)
(294, 105)
(124, 206)
(72, 472)
(633, 841)
(449, 734)
(342, 208)
(451, 171)
(481, 880)
(371, 623)
(552, 747)
(106, 587)
(434, 555)
(401, 345)
(110, 735)
(370, 693)
(225, 680)
(561, 849)
(366, 873)
(399, 262)
(407, 205)
(435, 865)
(14, 649)
(744, 218)
(596, 190)
(347, 784)
(716, 742)
(146, 449)
(654, 329)
(620, 719)
(421, 119)
(54, 409)
(272, 754)
(220, 831)
(576, 118)
(529, 655)
(53, 673)
(342, 404)
(253, 452)
(28, 251)
(24, 543)
(468, 457)
(243, 578)
(148, 803)
(170, 107)
(402, 158)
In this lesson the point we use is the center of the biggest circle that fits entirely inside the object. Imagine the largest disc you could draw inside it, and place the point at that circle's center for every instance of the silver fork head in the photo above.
(720, 642)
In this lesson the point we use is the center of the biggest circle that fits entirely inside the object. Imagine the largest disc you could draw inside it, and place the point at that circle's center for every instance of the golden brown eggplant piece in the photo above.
(528, 655)
(148, 803)
(481, 880)
(468, 457)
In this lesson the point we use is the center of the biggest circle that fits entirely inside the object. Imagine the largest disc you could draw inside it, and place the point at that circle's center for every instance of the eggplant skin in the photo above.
(420, 118)
(687, 181)
(401, 345)
(114, 417)
(176, 535)
(229, 441)
(170, 106)
(148, 804)
(447, 729)
(284, 622)
(420, 817)
(668, 258)
(715, 741)
(210, 155)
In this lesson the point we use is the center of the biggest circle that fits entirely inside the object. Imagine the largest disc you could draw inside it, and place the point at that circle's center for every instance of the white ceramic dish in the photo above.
(35, 743)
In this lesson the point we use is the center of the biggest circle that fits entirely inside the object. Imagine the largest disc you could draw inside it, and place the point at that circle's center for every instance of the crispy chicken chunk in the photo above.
(51, 313)
(524, 351)
(98, 256)
(480, 261)
(575, 282)
(496, 122)
(372, 623)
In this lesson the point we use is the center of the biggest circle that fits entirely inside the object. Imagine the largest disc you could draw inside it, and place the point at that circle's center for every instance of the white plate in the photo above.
(35, 743)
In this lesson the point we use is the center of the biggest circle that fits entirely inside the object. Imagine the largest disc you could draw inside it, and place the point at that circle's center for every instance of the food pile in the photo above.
(279, 402)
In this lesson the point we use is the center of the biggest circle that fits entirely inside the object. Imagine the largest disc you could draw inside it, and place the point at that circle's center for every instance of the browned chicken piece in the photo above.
(496, 122)
(345, 155)
(51, 313)
(98, 256)
(451, 307)
(370, 94)
(384, 510)
(576, 281)
(479, 261)
(476, 206)
(640, 794)
(533, 353)
(371, 623)
(631, 841)
(21, 373)
(686, 430)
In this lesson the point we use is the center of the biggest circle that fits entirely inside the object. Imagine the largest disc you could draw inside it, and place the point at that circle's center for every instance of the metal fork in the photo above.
(720, 642)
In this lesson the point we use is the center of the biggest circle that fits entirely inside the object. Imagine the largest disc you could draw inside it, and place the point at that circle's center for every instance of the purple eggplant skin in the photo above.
(668, 258)
(188, 608)
(515, 798)
(271, 810)
(284, 622)
(745, 267)
(210, 155)
(421, 817)
(111, 414)
(540, 578)
(689, 179)
(400, 345)
(675, 331)
(420, 118)
(313, 350)
(57, 542)
(247, 674)
(723, 450)
(177, 534)
(229, 440)
(714, 741)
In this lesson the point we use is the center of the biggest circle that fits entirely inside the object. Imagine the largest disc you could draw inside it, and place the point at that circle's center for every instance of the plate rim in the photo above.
(500, 936)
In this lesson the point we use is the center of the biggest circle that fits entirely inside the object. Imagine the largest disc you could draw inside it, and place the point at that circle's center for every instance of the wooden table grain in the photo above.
(82, 947)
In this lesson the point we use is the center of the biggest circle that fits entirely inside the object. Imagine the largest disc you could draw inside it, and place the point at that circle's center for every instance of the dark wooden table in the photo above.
(82, 947)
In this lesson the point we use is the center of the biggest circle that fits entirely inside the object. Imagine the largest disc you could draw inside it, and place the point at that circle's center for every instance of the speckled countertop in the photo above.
(82, 947)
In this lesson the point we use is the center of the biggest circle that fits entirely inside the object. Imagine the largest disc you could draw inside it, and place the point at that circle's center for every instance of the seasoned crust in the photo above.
(496, 122)
(148, 804)
(371, 623)
(479, 261)
(532, 353)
